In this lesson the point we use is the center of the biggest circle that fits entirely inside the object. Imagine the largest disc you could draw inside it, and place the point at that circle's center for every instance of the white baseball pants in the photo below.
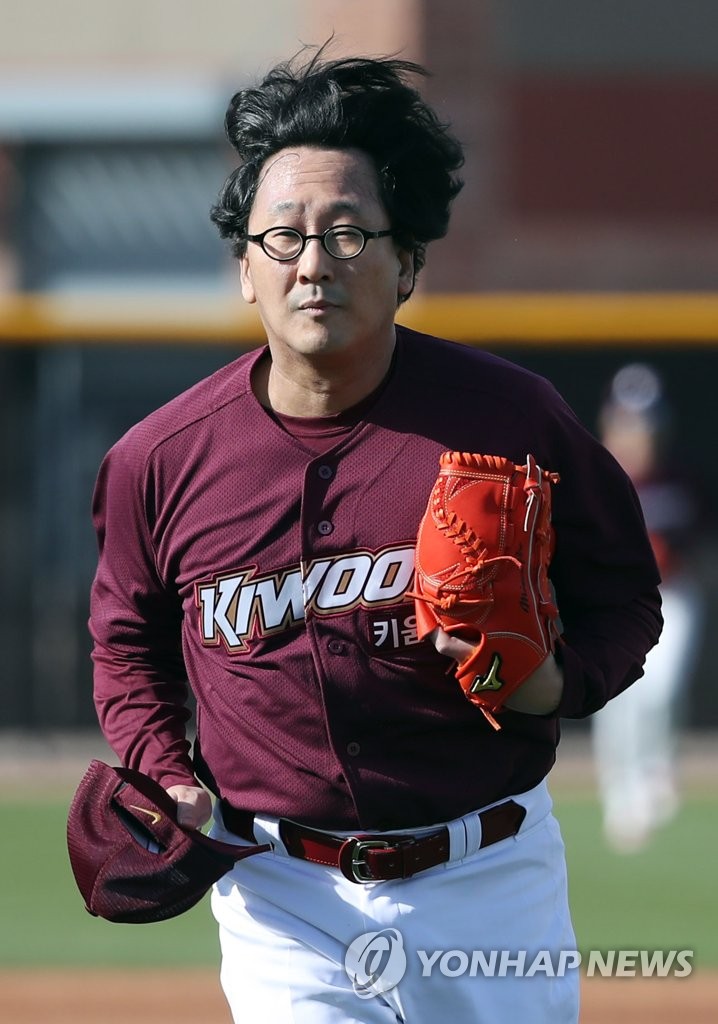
(635, 735)
(285, 927)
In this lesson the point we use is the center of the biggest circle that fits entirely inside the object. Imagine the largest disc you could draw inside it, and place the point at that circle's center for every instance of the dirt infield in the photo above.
(189, 997)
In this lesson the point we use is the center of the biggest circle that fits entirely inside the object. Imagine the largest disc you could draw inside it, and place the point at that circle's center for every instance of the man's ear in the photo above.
(407, 274)
(245, 279)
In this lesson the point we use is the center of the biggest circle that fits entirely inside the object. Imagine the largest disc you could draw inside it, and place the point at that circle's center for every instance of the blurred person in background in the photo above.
(635, 736)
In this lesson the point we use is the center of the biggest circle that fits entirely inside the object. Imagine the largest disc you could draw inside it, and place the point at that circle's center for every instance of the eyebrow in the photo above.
(343, 206)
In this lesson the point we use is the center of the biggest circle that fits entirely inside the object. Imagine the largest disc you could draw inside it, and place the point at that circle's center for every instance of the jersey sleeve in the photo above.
(604, 571)
(140, 688)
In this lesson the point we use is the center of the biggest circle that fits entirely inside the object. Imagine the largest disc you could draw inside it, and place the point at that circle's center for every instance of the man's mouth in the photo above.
(319, 304)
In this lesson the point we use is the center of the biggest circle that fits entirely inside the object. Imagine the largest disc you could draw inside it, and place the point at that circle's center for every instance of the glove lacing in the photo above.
(471, 547)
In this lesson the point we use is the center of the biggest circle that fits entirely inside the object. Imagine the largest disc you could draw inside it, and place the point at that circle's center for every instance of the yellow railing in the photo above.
(505, 317)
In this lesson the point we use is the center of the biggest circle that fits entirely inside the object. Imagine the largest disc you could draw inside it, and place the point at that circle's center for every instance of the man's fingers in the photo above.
(194, 805)
(451, 646)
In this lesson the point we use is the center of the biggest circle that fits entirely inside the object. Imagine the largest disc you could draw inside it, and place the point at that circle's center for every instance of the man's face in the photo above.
(315, 304)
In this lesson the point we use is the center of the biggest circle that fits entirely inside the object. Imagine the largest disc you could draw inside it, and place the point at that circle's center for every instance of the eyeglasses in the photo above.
(343, 242)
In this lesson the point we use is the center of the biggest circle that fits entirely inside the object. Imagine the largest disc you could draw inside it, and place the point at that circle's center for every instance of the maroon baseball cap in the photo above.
(131, 860)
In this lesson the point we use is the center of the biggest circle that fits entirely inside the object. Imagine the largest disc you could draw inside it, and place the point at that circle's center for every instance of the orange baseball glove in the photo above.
(482, 556)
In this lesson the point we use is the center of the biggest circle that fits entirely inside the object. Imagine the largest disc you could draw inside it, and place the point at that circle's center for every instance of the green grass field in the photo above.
(663, 898)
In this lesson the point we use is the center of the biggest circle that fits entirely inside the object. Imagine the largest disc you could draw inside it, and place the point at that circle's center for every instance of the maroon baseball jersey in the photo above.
(272, 574)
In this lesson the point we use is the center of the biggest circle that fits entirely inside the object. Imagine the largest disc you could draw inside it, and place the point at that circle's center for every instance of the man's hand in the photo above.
(539, 694)
(194, 805)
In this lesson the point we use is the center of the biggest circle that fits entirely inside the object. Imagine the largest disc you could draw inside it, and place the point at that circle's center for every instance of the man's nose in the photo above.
(314, 262)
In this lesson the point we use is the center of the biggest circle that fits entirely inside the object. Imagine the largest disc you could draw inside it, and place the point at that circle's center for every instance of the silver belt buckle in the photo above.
(359, 868)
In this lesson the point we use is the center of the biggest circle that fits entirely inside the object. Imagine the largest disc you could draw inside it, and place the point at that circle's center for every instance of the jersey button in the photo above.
(337, 647)
(353, 749)
(325, 472)
(325, 527)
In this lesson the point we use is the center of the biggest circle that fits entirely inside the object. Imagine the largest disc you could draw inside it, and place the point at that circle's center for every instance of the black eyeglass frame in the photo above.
(366, 236)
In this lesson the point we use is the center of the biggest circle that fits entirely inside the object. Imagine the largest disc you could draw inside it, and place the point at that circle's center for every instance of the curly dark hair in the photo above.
(351, 103)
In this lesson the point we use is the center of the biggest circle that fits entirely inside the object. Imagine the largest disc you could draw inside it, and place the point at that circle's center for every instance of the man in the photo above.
(256, 538)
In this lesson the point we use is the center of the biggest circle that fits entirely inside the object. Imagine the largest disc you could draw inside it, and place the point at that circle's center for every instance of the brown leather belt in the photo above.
(376, 858)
